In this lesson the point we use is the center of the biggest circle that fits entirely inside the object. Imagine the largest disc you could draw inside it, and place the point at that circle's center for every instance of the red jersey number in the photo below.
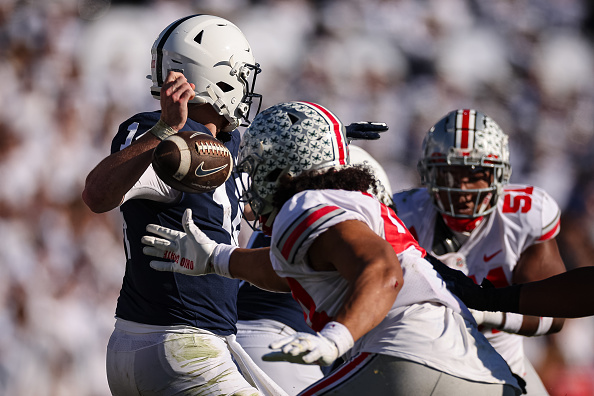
(522, 203)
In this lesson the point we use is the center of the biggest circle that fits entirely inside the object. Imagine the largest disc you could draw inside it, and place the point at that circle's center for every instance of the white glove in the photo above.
(322, 348)
(190, 252)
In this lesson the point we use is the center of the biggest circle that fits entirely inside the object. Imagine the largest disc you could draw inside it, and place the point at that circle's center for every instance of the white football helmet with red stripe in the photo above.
(467, 138)
(288, 138)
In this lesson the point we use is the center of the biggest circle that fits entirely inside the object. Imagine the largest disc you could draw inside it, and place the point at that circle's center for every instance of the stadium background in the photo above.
(71, 70)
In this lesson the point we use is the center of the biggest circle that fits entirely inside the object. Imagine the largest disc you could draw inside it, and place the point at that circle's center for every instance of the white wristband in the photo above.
(340, 335)
(544, 326)
(220, 257)
(513, 322)
(161, 130)
(488, 318)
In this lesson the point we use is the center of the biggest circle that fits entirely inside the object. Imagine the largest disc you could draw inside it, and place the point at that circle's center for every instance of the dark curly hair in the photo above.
(354, 178)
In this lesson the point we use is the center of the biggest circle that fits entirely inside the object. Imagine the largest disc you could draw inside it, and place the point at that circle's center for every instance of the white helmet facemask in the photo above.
(215, 56)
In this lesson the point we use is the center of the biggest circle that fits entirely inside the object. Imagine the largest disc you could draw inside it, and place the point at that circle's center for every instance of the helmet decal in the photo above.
(340, 144)
(465, 128)
(158, 62)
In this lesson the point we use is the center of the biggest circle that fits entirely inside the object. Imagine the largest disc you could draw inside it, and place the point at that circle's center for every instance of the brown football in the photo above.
(192, 162)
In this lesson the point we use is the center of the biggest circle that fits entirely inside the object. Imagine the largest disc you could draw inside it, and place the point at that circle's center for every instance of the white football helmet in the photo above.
(468, 138)
(384, 189)
(213, 54)
(288, 138)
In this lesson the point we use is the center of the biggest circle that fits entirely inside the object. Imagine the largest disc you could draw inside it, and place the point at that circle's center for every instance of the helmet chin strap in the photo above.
(266, 222)
(485, 203)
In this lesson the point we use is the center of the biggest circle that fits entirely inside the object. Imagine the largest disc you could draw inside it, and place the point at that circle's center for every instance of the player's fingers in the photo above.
(157, 242)
(279, 343)
(189, 225)
(163, 232)
(192, 229)
(312, 357)
(188, 94)
(153, 251)
(187, 217)
(173, 77)
(371, 126)
(162, 265)
(377, 126)
(367, 127)
(295, 348)
(176, 84)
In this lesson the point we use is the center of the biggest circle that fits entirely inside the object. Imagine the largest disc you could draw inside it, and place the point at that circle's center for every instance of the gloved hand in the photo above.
(322, 348)
(365, 130)
(190, 252)
(484, 297)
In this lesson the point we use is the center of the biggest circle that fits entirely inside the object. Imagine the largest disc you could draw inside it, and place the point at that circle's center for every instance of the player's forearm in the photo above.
(254, 266)
(539, 325)
(515, 323)
(113, 177)
(568, 295)
(371, 298)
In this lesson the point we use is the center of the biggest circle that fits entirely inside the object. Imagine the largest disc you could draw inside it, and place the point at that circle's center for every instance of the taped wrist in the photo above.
(221, 255)
(161, 130)
(506, 299)
(505, 321)
(513, 323)
(544, 326)
(488, 318)
(340, 335)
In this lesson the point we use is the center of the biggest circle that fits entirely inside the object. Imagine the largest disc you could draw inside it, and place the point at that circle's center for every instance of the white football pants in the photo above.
(255, 336)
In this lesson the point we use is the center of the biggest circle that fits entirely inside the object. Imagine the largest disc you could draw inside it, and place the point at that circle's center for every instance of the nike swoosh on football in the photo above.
(489, 258)
(205, 172)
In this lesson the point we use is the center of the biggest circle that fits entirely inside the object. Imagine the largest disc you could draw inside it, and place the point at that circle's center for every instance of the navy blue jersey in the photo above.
(254, 303)
(167, 298)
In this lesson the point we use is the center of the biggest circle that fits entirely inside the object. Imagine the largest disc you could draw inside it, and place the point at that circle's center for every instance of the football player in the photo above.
(266, 317)
(470, 218)
(173, 332)
(358, 274)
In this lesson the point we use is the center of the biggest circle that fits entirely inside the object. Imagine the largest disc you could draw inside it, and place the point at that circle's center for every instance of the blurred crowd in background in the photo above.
(72, 70)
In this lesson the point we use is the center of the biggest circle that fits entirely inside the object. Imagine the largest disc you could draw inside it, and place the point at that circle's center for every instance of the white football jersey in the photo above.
(426, 324)
(524, 216)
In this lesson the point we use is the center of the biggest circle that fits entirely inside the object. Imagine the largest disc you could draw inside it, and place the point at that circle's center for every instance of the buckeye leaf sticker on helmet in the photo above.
(192, 162)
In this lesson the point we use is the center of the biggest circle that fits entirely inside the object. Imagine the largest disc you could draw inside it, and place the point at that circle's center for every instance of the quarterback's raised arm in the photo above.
(114, 176)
